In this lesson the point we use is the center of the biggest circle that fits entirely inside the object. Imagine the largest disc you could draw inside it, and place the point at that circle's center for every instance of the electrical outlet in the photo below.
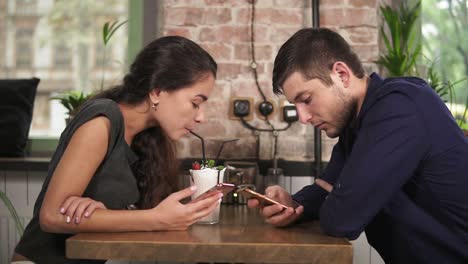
(288, 111)
(241, 107)
(267, 108)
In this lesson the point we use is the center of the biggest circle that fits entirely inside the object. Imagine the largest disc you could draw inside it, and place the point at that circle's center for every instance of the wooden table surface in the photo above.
(241, 237)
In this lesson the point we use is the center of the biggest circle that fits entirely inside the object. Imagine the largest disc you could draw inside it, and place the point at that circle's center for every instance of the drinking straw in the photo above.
(221, 148)
(203, 145)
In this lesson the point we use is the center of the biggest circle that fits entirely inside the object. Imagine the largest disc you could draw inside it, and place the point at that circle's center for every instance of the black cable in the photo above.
(253, 64)
(249, 126)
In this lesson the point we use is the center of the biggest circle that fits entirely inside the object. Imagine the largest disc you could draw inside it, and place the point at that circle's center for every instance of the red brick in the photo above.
(184, 16)
(242, 16)
(217, 108)
(331, 16)
(225, 3)
(354, 16)
(367, 53)
(244, 148)
(211, 128)
(218, 51)
(185, 3)
(228, 70)
(262, 15)
(364, 3)
(184, 32)
(363, 35)
(289, 3)
(217, 16)
(225, 34)
(243, 52)
(281, 34)
(287, 17)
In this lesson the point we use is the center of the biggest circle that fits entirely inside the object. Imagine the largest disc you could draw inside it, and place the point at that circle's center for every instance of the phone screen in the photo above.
(225, 188)
(263, 200)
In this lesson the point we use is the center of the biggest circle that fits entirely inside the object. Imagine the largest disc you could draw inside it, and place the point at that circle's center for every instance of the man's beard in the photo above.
(346, 115)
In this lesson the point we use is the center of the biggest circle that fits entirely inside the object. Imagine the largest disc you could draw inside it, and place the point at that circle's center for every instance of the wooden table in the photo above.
(240, 237)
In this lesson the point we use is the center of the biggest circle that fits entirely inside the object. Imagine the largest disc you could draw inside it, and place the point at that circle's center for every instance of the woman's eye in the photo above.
(308, 100)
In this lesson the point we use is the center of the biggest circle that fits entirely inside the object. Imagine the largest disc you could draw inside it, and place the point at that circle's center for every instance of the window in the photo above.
(62, 56)
(56, 42)
(24, 48)
(445, 38)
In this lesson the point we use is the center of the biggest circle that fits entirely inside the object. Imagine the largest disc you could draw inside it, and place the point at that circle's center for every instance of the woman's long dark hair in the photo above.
(168, 63)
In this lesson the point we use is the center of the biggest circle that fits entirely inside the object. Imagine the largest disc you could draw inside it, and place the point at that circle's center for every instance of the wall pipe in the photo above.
(317, 133)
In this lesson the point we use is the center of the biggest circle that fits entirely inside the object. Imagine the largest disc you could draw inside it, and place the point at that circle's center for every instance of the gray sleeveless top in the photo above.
(113, 183)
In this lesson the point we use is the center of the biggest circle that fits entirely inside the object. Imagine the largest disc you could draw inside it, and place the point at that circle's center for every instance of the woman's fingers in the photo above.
(70, 210)
(206, 211)
(75, 208)
(207, 202)
(93, 206)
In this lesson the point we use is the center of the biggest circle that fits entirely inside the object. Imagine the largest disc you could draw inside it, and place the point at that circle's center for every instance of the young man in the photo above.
(399, 171)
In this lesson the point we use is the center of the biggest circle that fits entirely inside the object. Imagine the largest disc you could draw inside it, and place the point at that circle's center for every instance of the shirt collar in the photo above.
(375, 82)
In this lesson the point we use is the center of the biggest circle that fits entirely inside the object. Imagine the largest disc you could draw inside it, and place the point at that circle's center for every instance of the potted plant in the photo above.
(72, 100)
(404, 52)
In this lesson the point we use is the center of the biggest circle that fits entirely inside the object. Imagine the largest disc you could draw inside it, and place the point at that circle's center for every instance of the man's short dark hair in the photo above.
(312, 52)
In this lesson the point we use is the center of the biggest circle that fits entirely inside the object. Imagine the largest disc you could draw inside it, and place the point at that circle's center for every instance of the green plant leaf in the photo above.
(14, 214)
(110, 29)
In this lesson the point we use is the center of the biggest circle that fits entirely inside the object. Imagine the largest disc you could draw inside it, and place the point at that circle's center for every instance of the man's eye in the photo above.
(308, 100)
(195, 105)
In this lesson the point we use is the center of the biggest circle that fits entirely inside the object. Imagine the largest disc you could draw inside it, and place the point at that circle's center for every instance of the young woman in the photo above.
(118, 154)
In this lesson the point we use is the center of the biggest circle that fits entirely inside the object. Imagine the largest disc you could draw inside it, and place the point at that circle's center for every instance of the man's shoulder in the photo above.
(411, 86)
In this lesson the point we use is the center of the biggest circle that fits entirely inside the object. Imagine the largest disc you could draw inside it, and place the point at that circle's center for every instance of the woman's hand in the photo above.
(171, 214)
(76, 207)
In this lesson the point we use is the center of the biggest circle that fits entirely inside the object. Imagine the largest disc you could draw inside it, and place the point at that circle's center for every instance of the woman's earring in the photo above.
(155, 106)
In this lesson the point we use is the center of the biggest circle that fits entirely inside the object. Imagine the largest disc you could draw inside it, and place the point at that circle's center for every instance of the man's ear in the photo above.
(343, 72)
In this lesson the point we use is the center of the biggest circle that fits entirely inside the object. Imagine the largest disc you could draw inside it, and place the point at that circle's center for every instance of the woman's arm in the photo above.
(83, 155)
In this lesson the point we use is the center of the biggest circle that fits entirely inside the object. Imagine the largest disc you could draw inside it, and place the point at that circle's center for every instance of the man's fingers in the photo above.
(253, 203)
(269, 211)
(281, 218)
(324, 185)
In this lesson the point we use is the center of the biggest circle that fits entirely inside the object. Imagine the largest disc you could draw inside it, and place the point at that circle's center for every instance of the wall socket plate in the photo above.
(257, 111)
(231, 108)
(282, 103)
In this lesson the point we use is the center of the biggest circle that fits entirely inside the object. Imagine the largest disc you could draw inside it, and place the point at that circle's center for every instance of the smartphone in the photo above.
(225, 188)
(262, 199)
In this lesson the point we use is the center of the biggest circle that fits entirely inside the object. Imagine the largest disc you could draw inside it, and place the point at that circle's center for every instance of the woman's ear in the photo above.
(155, 95)
(343, 72)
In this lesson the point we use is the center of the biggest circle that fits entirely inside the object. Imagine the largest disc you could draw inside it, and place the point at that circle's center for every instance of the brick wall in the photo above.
(223, 28)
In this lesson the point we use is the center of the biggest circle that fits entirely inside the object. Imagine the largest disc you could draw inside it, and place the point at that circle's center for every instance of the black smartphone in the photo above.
(262, 199)
(225, 188)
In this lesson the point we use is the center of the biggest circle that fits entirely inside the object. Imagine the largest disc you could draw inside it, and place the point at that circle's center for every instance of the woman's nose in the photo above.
(200, 117)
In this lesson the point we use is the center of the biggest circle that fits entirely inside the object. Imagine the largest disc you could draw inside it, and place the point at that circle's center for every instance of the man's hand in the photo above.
(324, 185)
(276, 214)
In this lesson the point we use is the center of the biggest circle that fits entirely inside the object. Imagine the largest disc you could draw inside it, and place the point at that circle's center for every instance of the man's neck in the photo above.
(361, 91)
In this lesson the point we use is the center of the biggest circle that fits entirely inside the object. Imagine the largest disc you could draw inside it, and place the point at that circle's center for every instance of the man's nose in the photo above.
(304, 116)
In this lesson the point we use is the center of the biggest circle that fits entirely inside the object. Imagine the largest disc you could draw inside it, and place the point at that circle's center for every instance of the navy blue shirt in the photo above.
(400, 173)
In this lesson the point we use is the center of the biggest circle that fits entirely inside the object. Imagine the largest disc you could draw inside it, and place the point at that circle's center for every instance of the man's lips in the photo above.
(320, 125)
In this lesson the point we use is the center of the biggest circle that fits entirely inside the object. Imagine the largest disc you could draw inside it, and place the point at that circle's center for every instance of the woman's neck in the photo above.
(136, 119)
